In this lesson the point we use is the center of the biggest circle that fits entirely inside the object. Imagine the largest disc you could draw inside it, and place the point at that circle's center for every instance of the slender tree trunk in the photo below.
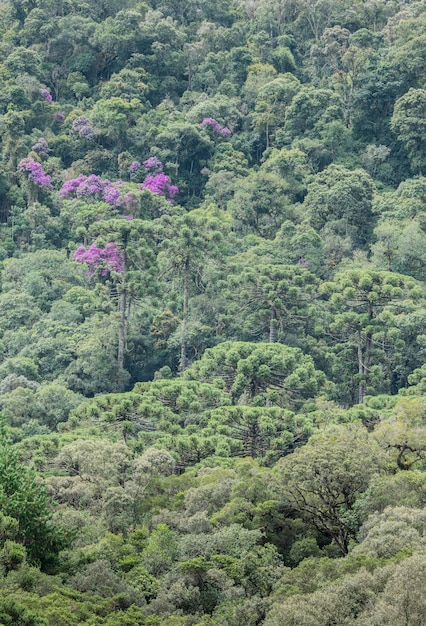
(363, 362)
(185, 315)
(361, 384)
(273, 326)
(364, 359)
(122, 326)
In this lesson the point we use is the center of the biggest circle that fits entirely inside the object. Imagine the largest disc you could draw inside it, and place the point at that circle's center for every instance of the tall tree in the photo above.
(278, 299)
(362, 301)
(323, 479)
(187, 242)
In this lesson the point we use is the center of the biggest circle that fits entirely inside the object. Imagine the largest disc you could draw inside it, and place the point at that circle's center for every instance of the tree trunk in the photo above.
(184, 316)
(361, 384)
(273, 326)
(122, 326)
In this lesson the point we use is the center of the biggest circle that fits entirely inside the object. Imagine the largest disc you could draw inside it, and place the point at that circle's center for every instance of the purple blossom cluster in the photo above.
(59, 117)
(89, 186)
(134, 166)
(160, 184)
(35, 171)
(210, 121)
(153, 165)
(83, 128)
(157, 181)
(103, 260)
(46, 95)
(41, 147)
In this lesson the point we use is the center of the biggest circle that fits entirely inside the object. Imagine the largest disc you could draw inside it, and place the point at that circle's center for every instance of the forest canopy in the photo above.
(212, 312)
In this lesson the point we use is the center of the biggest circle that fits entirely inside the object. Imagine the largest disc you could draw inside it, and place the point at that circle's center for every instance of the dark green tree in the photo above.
(23, 496)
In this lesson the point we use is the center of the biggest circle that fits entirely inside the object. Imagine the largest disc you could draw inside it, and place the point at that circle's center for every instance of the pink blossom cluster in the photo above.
(46, 95)
(83, 128)
(88, 186)
(210, 121)
(103, 260)
(35, 172)
(160, 184)
(41, 147)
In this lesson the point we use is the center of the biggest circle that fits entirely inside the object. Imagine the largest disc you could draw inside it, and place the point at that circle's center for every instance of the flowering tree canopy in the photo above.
(46, 95)
(157, 181)
(211, 122)
(41, 147)
(160, 184)
(88, 186)
(36, 173)
(133, 167)
(153, 165)
(103, 260)
(83, 128)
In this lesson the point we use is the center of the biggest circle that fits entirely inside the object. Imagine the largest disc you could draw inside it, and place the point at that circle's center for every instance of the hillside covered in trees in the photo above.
(212, 312)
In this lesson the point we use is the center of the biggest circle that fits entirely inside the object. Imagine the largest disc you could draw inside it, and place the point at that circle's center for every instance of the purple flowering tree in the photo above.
(210, 122)
(46, 95)
(157, 181)
(160, 184)
(153, 165)
(36, 177)
(41, 147)
(83, 128)
(35, 172)
(101, 261)
(133, 167)
(127, 261)
(105, 262)
(93, 187)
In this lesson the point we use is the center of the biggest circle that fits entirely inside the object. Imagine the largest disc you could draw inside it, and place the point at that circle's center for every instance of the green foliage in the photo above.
(323, 479)
(341, 200)
(259, 373)
(233, 427)
(23, 498)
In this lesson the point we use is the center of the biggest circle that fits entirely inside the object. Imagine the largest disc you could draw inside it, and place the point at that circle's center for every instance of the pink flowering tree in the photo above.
(160, 184)
(35, 172)
(90, 199)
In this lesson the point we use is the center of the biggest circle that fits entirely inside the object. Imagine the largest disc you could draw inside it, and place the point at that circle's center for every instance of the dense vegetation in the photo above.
(212, 312)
